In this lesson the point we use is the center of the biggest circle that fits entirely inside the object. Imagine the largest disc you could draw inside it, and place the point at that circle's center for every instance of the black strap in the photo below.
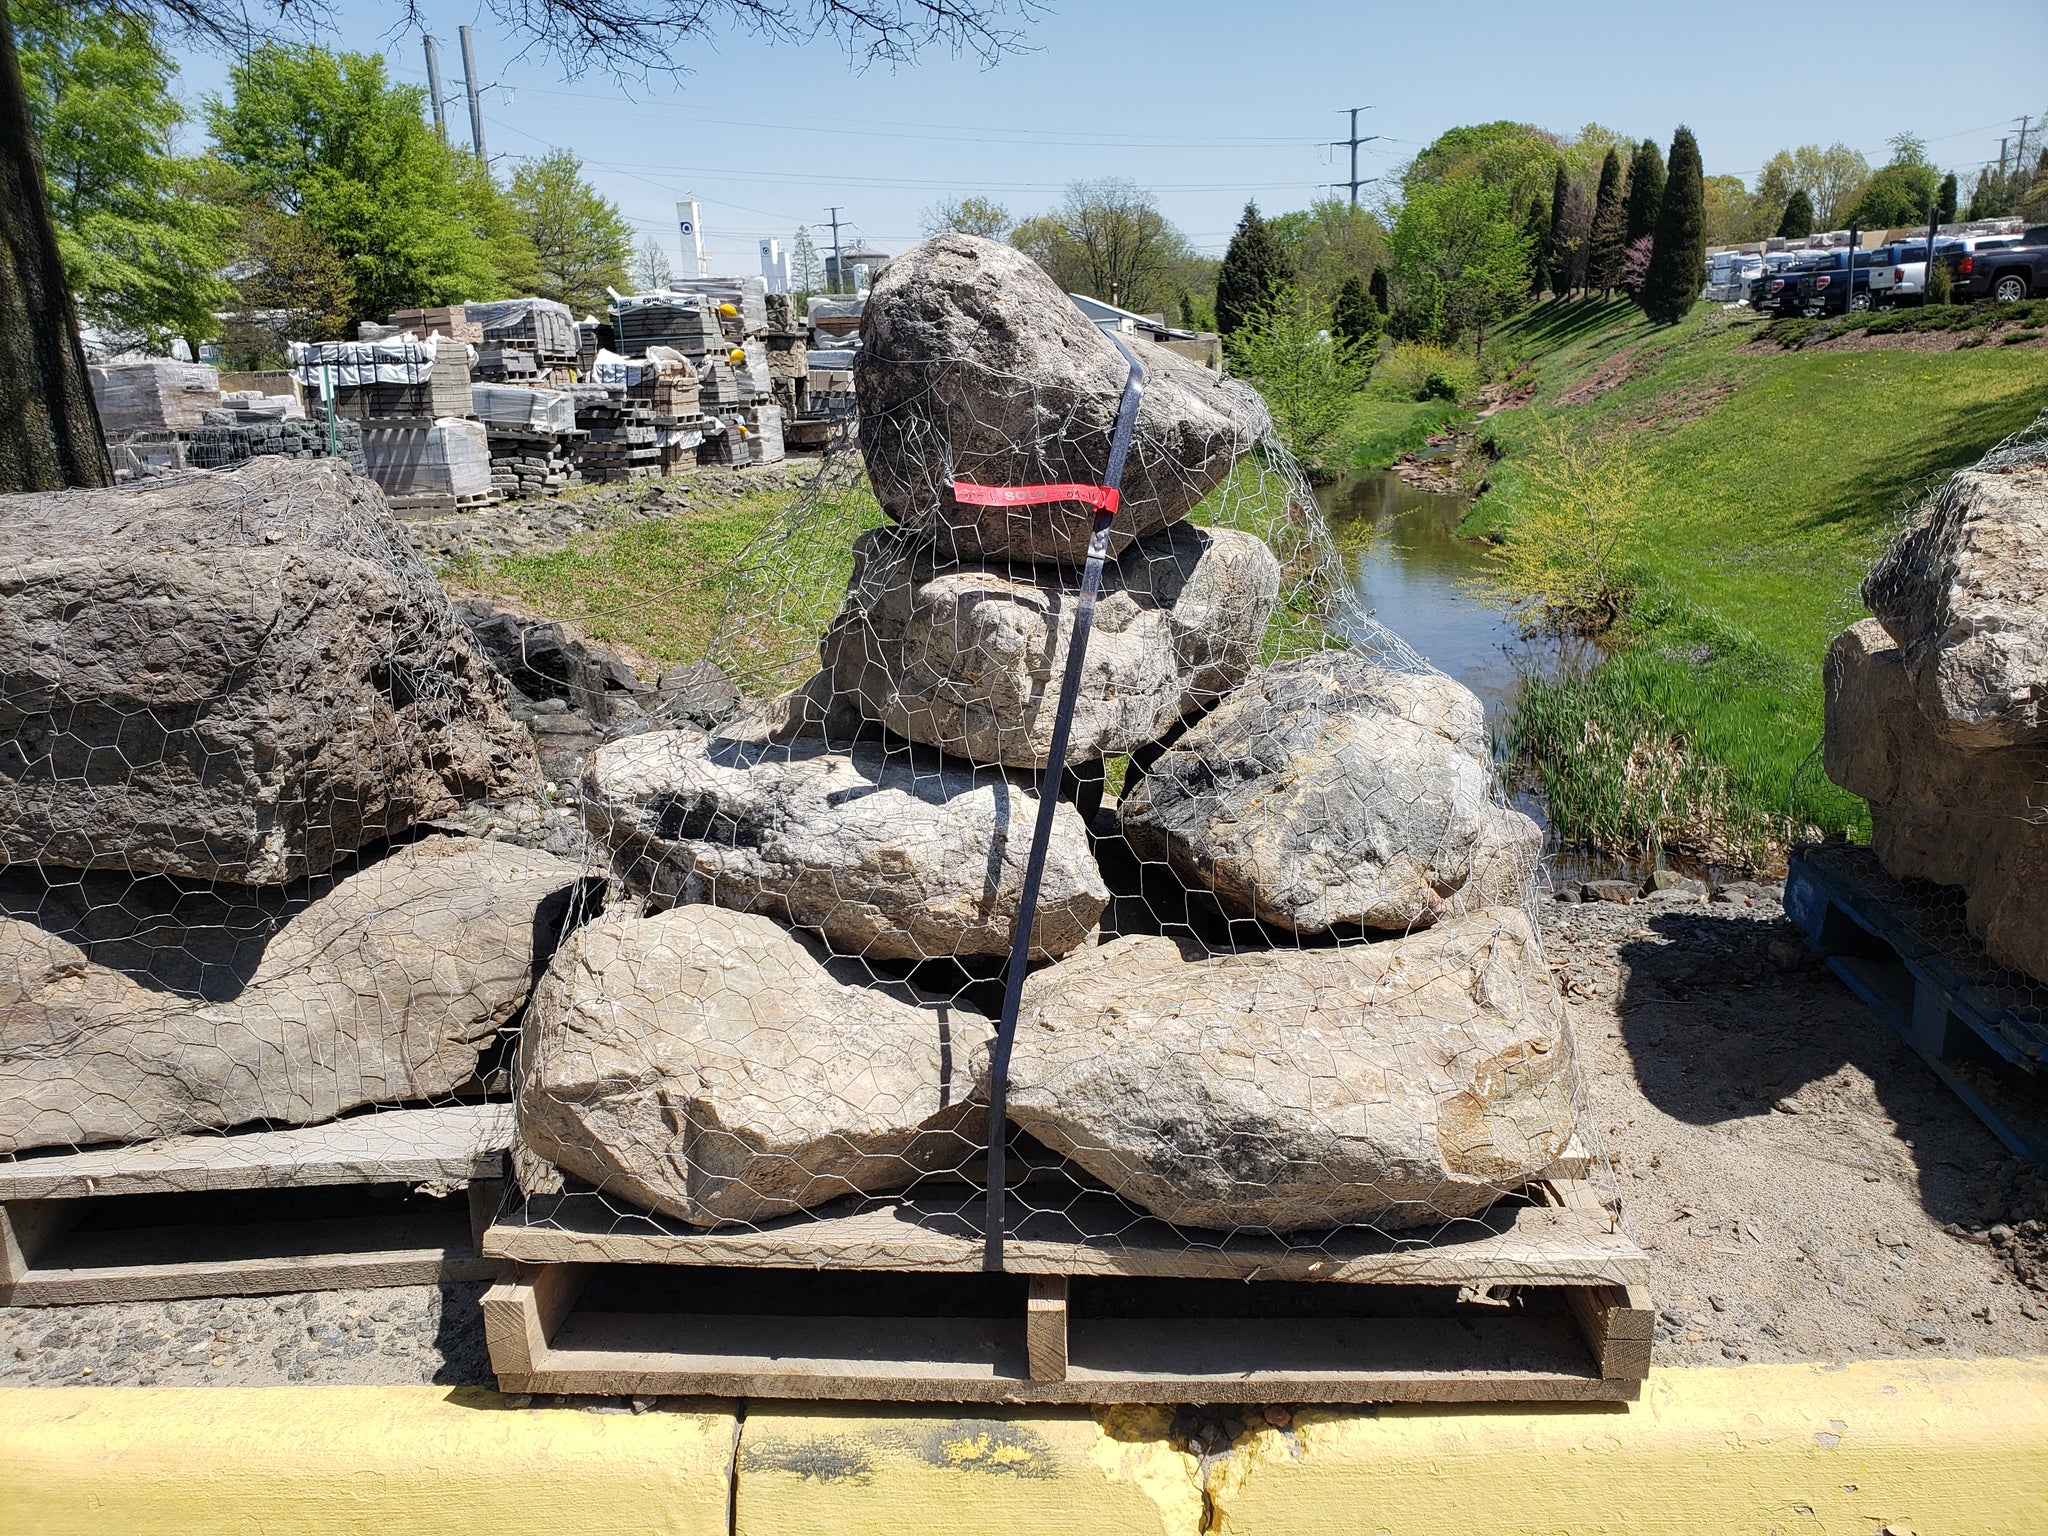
(1048, 806)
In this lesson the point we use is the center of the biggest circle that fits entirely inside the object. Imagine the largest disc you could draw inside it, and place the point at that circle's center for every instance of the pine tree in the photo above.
(1797, 223)
(1945, 200)
(1606, 244)
(1355, 318)
(1555, 248)
(1678, 253)
(1536, 230)
(1255, 268)
(1378, 289)
(1645, 191)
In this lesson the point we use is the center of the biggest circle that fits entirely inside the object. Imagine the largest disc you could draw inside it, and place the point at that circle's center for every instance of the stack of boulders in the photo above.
(228, 701)
(799, 1005)
(1937, 708)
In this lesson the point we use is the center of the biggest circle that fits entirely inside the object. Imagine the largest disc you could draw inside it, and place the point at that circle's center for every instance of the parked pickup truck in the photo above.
(2002, 271)
(1831, 287)
(1777, 292)
(1905, 280)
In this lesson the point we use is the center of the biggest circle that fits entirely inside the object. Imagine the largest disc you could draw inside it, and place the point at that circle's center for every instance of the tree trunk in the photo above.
(49, 427)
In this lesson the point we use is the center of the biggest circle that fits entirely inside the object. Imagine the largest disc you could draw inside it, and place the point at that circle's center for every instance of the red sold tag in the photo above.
(1026, 495)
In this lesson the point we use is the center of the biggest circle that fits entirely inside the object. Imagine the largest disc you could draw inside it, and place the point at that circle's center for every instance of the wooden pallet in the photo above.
(1903, 947)
(1541, 1299)
(322, 1207)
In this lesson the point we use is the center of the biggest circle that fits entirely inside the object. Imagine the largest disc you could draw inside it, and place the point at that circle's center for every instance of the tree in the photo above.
(294, 286)
(1574, 241)
(1945, 200)
(1377, 287)
(969, 216)
(1731, 211)
(142, 253)
(1678, 250)
(1460, 259)
(1902, 191)
(1106, 239)
(1355, 317)
(1536, 229)
(806, 271)
(583, 242)
(1607, 241)
(1308, 378)
(1645, 190)
(1328, 243)
(325, 137)
(1516, 157)
(1830, 177)
(1254, 272)
(1635, 267)
(650, 266)
(50, 425)
(1557, 259)
(1797, 222)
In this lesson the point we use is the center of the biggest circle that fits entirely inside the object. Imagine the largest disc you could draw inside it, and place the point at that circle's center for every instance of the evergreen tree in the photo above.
(1645, 191)
(1255, 269)
(1607, 242)
(1678, 252)
(1557, 261)
(1356, 318)
(1536, 229)
(1945, 200)
(1378, 289)
(1797, 223)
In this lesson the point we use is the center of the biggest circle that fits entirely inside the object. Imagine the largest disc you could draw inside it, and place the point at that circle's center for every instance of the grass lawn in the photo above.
(1771, 482)
(1380, 430)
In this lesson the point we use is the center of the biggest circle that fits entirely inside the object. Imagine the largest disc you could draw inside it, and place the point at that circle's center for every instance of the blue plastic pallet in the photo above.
(1901, 947)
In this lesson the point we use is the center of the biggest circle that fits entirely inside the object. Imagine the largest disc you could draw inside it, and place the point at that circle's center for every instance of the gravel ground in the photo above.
(1805, 1188)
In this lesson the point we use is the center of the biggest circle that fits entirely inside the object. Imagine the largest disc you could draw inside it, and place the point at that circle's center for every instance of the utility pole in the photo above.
(1353, 142)
(838, 266)
(434, 86)
(476, 106)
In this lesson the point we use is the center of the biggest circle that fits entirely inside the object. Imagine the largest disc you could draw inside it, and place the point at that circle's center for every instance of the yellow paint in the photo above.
(350, 1461)
(1934, 1448)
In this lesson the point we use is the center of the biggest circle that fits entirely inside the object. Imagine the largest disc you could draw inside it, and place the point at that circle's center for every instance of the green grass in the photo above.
(1986, 317)
(1772, 481)
(1380, 430)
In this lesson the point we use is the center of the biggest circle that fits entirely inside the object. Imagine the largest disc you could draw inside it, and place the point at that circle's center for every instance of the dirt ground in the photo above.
(1805, 1189)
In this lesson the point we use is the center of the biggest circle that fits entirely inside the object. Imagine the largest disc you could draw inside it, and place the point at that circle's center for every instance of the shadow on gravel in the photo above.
(1718, 1032)
(459, 1336)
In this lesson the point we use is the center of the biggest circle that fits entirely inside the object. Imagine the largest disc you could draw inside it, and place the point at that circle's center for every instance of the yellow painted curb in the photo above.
(1931, 1447)
(351, 1461)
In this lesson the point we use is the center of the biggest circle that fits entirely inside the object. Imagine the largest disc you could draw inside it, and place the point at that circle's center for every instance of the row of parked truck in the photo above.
(2007, 268)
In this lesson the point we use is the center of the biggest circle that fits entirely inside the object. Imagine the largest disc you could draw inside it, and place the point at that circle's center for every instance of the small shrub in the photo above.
(1940, 284)
(1418, 370)
(1560, 560)
(1308, 377)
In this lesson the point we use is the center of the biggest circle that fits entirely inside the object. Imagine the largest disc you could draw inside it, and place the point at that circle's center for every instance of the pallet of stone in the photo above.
(746, 295)
(542, 326)
(430, 504)
(156, 394)
(502, 364)
(888, 1299)
(449, 320)
(393, 1197)
(1904, 948)
(688, 325)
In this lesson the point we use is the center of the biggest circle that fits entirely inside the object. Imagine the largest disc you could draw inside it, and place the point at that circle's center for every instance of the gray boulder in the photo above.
(382, 990)
(237, 676)
(975, 366)
(969, 659)
(893, 855)
(706, 1065)
(1331, 792)
(1964, 592)
(1939, 812)
(1399, 1083)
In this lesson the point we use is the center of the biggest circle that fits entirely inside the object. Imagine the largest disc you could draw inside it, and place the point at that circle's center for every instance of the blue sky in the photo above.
(1209, 104)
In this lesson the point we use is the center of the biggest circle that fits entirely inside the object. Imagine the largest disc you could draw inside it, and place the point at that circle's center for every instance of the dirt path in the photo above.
(1791, 1168)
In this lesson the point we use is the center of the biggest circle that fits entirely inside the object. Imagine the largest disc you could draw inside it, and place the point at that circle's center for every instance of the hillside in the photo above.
(1771, 478)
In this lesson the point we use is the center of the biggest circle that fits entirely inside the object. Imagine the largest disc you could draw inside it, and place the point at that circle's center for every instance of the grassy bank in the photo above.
(1380, 430)
(1770, 480)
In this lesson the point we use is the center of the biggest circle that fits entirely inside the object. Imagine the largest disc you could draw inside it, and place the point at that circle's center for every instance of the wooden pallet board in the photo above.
(55, 1250)
(1590, 1341)
(1901, 947)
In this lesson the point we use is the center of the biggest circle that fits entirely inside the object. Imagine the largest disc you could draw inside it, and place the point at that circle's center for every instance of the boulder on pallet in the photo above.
(707, 1065)
(382, 987)
(974, 366)
(1335, 793)
(1400, 1083)
(969, 658)
(888, 854)
(239, 676)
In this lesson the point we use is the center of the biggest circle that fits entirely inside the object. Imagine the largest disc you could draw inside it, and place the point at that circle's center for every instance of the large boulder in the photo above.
(236, 676)
(1397, 1083)
(1937, 811)
(970, 659)
(975, 366)
(706, 1065)
(382, 990)
(1964, 592)
(889, 854)
(1331, 792)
